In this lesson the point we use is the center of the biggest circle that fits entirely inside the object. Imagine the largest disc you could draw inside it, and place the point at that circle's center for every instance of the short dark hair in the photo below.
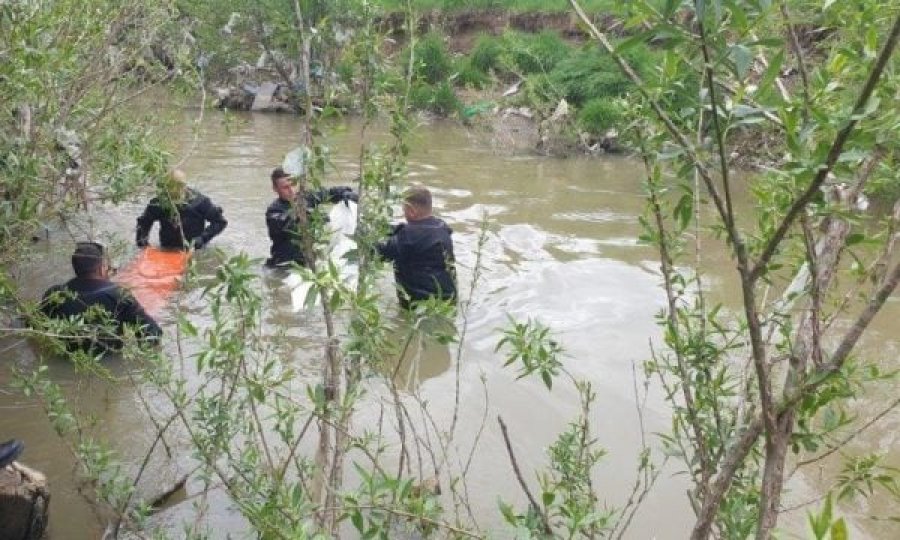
(277, 174)
(87, 258)
(418, 196)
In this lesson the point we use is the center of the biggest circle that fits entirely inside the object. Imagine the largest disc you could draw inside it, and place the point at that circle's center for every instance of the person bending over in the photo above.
(187, 218)
(105, 307)
(282, 216)
(422, 252)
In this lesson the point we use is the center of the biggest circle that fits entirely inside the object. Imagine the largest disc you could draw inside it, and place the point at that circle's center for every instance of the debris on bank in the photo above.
(24, 502)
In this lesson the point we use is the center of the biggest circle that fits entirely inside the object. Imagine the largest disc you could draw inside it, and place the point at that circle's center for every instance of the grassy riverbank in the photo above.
(518, 6)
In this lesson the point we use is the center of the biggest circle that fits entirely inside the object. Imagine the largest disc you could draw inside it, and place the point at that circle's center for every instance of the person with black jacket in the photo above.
(422, 252)
(187, 218)
(282, 216)
(105, 307)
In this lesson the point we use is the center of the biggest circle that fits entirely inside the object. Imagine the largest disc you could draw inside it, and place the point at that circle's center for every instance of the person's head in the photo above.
(416, 203)
(283, 184)
(89, 260)
(174, 185)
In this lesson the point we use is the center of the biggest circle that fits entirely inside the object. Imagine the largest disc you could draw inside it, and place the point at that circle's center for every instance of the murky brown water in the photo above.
(562, 249)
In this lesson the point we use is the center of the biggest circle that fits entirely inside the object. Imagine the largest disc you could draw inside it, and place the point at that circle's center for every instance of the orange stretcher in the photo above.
(154, 276)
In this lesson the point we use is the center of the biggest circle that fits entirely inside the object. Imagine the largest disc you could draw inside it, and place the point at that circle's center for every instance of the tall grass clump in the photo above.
(487, 53)
(439, 99)
(468, 75)
(599, 115)
(591, 73)
(433, 63)
(535, 53)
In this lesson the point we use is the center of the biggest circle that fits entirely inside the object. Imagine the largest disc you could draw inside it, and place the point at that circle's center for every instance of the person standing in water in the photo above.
(422, 252)
(282, 216)
(105, 308)
(187, 218)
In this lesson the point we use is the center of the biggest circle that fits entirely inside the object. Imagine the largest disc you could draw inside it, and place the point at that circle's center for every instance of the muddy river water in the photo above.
(562, 248)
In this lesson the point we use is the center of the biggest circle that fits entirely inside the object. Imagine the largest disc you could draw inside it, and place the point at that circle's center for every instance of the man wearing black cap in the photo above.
(102, 304)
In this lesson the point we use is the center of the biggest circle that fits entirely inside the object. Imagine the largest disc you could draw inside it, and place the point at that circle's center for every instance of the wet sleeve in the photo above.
(217, 223)
(341, 193)
(389, 248)
(152, 213)
(317, 197)
(131, 312)
(274, 225)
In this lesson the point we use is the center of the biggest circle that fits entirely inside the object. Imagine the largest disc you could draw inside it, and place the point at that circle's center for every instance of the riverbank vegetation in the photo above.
(522, 6)
(758, 391)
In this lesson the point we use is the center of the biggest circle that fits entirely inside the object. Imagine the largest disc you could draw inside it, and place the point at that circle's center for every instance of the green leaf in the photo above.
(684, 210)
(548, 497)
(855, 238)
(771, 72)
(742, 58)
(508, 513)
(839, 530)
(357, 520)
(631, 42)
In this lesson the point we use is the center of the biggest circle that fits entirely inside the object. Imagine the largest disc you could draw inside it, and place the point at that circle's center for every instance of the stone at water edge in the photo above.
(24, 503)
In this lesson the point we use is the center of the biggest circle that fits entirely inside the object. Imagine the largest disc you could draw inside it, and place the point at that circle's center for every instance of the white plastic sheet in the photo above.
(342, 226)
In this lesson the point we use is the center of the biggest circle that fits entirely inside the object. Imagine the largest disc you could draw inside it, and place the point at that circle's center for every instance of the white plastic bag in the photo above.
(342, 226)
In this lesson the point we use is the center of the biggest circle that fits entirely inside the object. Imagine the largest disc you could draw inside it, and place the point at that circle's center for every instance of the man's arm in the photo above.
(132, 312)
(389, 248)
(152, 214)
(216, 223)
(333, 195)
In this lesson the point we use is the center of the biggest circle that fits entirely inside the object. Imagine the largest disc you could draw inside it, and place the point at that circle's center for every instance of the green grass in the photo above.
(534, 53)
(591, 6)
(487, 53)
(468, 75)
(439, 99)
(432, 60)
(598, 115)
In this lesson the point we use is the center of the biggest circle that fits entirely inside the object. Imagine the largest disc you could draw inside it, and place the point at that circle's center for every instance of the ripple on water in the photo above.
(600, 216)
(590, 302)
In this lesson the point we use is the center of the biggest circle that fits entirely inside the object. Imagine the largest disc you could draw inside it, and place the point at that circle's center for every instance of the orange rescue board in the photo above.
(153, 277)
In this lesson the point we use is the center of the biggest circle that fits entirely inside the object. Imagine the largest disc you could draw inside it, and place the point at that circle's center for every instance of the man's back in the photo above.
(182, 223)
(105, 308)
(422, 252)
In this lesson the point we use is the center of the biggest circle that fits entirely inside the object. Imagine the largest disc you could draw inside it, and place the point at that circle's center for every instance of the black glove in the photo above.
(199, 242)
(142, 242)
(349, 195)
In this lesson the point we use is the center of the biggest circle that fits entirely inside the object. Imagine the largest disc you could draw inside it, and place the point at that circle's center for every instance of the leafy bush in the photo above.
(487, 53)
(535, 53)
(345, 70)
(589, 74)
(585, 75)
(539, 91)
(598, 115)
(468, 75)
(439, 99)
(432, 61)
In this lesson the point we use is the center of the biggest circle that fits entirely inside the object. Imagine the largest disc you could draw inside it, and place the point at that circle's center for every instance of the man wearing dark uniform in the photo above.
(187, 218)
(422, 252)
(282, 216)
(105, 307)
